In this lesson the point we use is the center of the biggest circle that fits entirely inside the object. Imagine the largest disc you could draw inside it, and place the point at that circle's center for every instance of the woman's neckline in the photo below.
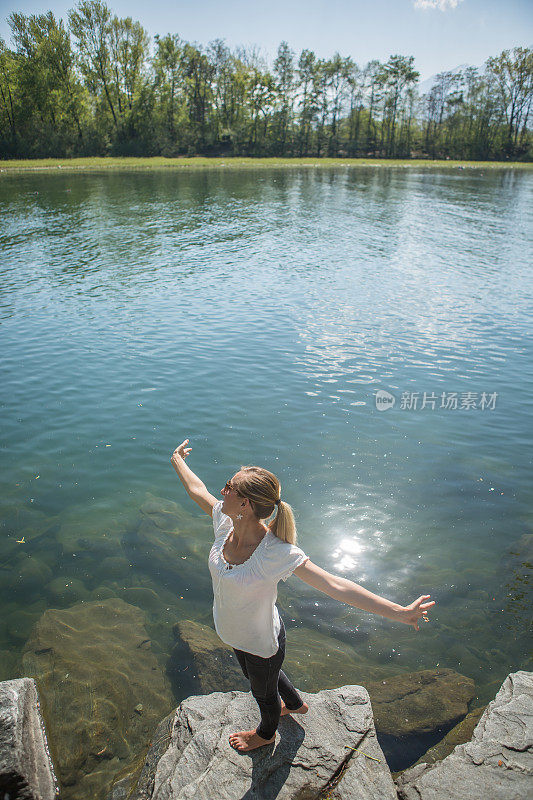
(252, 554)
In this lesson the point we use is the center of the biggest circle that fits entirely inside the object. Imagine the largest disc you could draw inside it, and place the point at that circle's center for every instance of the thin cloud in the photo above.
(442, 5)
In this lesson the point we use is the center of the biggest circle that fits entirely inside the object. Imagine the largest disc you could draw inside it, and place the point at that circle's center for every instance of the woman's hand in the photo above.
(181, 450)
(412, 613)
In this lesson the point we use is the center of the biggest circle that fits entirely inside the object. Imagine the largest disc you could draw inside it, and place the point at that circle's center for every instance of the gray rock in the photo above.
(26, 770)
(333, 747)
(497, 763)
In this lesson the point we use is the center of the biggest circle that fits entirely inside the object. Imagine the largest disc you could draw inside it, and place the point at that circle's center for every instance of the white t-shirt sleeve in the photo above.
(281, 560)
(221, 522)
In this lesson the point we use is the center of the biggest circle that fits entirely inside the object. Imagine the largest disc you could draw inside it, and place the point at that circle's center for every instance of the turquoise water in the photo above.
(257, 314)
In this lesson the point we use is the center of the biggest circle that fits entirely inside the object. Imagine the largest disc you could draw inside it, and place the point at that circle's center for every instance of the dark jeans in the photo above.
(268, 682)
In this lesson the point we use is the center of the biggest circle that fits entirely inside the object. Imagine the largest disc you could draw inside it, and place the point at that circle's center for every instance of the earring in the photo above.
(239, 516)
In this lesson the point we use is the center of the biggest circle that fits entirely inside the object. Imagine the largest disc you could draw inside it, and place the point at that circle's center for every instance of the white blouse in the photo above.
(244, 608)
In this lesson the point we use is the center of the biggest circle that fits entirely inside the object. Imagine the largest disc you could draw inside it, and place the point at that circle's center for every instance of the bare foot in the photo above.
(243, 741)
(302, 710)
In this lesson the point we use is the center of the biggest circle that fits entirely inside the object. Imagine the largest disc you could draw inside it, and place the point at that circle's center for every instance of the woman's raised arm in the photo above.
(354, 595)
(195, 488)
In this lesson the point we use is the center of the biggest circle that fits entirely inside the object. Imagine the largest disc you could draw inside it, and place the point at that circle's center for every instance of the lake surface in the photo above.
(259, 313)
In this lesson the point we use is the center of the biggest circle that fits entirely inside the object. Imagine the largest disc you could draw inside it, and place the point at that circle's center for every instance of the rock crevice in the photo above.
(498, 761)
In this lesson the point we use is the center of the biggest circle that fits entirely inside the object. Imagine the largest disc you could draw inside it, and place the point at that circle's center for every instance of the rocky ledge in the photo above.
(334, 741)
(330, 753)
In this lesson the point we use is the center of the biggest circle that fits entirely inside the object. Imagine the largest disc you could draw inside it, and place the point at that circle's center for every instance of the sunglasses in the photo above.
(228, 487)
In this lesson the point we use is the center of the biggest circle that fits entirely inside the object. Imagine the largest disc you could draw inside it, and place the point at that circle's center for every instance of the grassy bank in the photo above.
(99, 164)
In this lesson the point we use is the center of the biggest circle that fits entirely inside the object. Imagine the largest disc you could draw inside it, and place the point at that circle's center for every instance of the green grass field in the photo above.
(103, 163)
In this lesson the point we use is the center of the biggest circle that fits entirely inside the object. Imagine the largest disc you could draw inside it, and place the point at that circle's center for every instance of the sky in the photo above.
(440, 34)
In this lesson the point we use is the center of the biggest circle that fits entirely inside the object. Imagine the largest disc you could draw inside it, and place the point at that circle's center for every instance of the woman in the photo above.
(246, 561)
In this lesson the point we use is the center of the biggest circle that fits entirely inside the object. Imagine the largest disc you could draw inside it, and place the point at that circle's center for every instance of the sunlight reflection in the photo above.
(346, 549)
(345, 564)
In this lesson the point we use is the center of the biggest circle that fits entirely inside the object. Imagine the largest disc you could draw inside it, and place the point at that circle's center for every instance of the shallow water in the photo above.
(258, 313)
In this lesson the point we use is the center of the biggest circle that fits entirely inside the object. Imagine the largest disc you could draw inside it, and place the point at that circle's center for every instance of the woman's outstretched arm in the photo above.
(354, 595)
(195, 488)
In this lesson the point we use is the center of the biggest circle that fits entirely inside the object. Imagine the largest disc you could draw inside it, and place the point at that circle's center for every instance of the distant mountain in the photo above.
(425, 86)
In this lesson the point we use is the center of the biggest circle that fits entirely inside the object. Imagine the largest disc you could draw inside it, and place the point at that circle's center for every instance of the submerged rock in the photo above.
(142, 596)
(66, 590)
(200, 661)
(330, 751)
(169, 544)
(93, 667)
(517, 569)
(19, 519)
(420, 702)
(87, 537)
(322, 661)
(415, 710)
(28, 576)
(167, 514)
(20, 622)
(497, 763)
(9, 665)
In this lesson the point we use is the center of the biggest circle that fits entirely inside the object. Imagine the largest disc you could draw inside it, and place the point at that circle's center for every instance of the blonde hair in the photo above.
(262, 489)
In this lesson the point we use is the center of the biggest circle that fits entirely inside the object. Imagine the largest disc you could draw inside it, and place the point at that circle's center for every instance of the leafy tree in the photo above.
(355, 79)
(197, 75)
(8, 95)
(168, 86)
(320, 91)
(128, 47)
(438, 102)
(338, 71)
(307, 99)
(107, 92)
(397, 76)
(372, 76)
(90, 23)
(284, 71)
(48, 89)
(513, 77)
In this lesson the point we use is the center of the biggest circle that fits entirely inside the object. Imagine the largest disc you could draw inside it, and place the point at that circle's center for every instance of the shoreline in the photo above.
(105, 163)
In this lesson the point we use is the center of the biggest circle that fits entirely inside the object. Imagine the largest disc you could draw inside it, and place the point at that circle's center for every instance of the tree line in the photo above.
(100, 87)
